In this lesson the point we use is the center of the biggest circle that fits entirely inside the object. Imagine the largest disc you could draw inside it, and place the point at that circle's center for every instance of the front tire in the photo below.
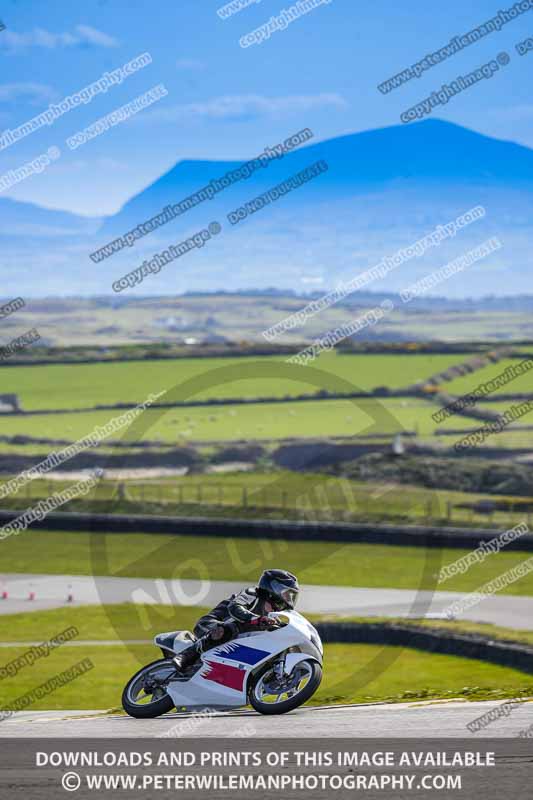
(309, 670)
(137, 704)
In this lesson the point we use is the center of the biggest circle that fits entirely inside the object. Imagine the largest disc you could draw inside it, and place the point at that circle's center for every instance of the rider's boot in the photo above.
(187, 657)
(216, 635)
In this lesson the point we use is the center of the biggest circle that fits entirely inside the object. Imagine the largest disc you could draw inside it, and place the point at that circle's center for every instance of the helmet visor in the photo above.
(287, 594)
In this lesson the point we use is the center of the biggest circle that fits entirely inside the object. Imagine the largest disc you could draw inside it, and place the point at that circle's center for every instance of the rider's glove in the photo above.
(264, 623)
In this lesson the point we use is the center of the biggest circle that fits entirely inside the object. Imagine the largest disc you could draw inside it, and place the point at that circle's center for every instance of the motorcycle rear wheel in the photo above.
(308, 670)
(133, 699)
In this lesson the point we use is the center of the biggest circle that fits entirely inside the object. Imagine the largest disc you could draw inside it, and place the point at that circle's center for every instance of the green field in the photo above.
(277, 494)
(523, 384)
(58, 386)
(352, 673)
(68, 387)
(266, 492)
(312, 493)
(213, 558)
(511, 437)
(456, 420)
(502, 407)
(254, 421)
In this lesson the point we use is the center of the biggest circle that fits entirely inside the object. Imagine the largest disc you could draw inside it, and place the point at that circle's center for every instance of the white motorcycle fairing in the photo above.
(223, 678)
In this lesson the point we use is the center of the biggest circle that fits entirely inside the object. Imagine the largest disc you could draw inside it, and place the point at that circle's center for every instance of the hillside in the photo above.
(383, 190)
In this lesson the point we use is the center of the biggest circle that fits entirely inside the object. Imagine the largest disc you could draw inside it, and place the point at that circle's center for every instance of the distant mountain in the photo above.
(397, 157)
(383, 190)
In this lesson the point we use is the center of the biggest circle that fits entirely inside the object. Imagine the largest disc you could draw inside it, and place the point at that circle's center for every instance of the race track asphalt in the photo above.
(413, 720)
(51, 591)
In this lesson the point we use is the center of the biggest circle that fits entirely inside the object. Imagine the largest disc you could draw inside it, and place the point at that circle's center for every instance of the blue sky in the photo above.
(225, 101)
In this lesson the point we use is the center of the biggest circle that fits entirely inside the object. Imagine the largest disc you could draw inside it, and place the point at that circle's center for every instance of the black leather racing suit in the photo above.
(229, 618)
(240, 612)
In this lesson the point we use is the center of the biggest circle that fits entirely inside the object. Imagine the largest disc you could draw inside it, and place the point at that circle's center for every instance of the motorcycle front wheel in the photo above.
(143, 696)
(268, 695)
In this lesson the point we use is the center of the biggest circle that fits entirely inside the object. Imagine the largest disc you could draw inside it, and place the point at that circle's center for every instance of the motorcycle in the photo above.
(275, 671)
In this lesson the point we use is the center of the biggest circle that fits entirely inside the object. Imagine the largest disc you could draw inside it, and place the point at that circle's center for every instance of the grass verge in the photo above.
(213, 558)
(350, 675)
(411, 675)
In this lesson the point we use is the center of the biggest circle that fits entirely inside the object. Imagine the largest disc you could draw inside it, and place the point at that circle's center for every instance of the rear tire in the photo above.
(292, 702)
(147, 710)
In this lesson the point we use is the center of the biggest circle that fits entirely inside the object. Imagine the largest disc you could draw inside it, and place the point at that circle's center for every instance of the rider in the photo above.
(277, 590)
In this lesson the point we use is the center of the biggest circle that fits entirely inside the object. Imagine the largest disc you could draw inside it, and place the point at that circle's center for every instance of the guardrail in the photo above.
(435, 640)
(410, 535)
(170, 495)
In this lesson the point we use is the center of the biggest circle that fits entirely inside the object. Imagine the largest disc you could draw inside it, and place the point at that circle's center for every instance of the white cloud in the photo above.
(83, 35)
(96, 37)
(252, 105)
(312, 279)
(33, 93)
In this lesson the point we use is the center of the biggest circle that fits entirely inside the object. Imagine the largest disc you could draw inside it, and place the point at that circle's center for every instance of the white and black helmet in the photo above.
(280, 588)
